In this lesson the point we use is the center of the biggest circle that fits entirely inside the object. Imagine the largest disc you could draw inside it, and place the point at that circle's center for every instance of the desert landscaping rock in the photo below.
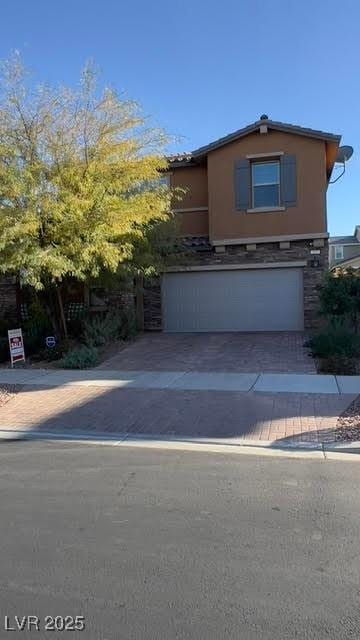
(348, 424)
(7, 392)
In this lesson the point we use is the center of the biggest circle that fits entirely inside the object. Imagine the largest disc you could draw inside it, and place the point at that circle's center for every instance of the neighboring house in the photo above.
(254, 221)
(344, 251)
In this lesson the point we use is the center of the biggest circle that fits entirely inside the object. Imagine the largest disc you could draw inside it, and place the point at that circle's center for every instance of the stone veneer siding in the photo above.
(8, 304)
(152, 304)
(266, 253)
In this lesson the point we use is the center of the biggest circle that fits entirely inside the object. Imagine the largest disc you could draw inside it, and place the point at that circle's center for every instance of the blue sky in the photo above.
(202, 69)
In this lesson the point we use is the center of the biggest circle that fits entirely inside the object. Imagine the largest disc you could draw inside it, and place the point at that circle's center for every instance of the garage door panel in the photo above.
(238, 300)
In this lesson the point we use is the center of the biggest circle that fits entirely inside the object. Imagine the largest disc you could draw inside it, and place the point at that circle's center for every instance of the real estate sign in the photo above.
(16, 345)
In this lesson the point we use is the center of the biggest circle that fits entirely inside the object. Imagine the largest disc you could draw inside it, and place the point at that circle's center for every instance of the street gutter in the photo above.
(321, 450)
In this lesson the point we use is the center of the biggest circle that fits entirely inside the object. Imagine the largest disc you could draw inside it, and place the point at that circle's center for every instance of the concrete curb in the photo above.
(342, 450)
(323, 451)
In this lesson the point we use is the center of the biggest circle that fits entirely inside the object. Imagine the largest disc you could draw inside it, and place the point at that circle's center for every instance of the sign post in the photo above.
(16, 344)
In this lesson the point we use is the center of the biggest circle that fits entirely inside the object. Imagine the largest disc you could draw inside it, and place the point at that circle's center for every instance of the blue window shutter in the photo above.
(288, 180)
(242, 184)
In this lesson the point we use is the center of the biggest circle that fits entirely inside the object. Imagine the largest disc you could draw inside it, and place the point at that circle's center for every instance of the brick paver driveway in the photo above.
(187, 414)
(175, 412)
(230, 352)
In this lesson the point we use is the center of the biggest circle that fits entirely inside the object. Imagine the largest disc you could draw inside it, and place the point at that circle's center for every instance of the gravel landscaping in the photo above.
(348, 424)
(8, 391)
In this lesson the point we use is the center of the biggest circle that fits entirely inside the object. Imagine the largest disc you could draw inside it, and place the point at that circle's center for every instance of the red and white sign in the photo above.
(16, 345)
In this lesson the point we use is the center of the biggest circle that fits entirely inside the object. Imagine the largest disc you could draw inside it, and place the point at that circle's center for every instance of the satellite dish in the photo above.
(344, 154)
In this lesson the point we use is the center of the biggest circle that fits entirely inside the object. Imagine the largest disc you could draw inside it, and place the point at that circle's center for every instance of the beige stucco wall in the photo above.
(194, 180)
(194, 223)
(309, 216)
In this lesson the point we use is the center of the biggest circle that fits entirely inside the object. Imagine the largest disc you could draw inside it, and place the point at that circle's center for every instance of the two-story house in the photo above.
(344, 251)
(254, 219)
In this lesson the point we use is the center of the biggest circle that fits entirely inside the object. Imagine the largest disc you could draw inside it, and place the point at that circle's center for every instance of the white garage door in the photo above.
(238, 300)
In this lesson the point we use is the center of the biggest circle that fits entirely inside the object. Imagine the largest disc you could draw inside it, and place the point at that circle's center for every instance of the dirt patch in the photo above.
(8, 391)
(338, 366)
(348, 424)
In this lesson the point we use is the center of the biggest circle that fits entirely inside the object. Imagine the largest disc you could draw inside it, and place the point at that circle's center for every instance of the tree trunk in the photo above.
(46, 298)
(62, 314)
(139, 297)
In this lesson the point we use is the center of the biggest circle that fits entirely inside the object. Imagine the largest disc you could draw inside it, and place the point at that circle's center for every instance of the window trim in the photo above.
(341, 248)
(276, 207)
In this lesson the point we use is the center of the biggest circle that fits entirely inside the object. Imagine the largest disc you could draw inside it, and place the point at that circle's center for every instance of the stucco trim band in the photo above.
(190, 210)
(237, 267)
(263, 239)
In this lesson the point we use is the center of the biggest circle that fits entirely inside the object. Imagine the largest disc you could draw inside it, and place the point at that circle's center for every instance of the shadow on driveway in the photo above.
(216, 415)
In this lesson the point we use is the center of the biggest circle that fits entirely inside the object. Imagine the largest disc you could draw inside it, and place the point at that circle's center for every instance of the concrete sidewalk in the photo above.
(186, 381)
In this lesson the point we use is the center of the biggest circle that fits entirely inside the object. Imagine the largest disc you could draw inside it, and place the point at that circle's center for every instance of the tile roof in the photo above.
(196, 243)
(184, 155)
(184, 158)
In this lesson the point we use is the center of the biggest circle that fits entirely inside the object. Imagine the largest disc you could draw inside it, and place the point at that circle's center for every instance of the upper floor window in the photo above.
(265, 184)
(339, 252)
(139, 187)
(164, 180)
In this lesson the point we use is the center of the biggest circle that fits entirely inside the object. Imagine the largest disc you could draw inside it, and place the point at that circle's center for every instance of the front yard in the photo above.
(92, 339)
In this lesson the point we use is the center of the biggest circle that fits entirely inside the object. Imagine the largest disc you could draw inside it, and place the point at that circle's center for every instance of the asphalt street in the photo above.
(150, 544)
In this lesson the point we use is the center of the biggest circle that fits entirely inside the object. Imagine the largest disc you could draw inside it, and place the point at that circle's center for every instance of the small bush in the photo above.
(127, 328)
(83, 358)
(337, 350)
(55, 353)
(335, 342)
(100, 330)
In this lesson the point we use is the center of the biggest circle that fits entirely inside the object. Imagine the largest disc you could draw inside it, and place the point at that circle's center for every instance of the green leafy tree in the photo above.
(79, 182)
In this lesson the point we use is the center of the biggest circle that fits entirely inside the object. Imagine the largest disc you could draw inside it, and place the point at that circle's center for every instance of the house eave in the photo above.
(272, 125)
